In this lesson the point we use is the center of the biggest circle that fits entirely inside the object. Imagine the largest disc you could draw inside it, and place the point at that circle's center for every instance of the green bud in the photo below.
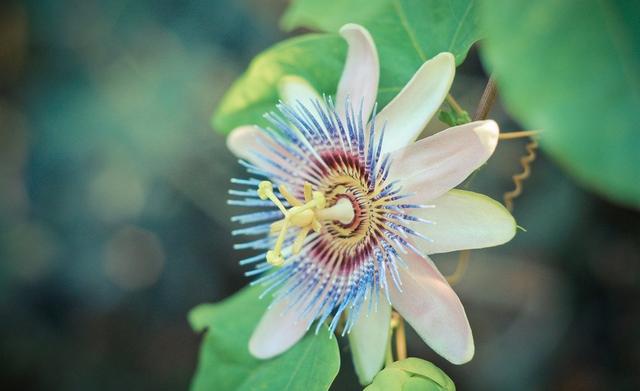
(412, 374)
(453, 118)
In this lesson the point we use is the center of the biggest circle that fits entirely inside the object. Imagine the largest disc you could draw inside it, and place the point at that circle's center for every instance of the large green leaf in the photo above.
(226, 364)
(414, 30)
(406, 32)
(572, 68)
(318, 58)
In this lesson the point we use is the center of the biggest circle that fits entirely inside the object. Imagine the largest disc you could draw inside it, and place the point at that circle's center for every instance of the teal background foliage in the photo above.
(573, 69)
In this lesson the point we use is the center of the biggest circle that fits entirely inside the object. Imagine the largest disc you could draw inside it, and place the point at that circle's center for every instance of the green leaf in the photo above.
(318, 58)
(572, 69)
(411, 374)
(405, 31)
(226, 364)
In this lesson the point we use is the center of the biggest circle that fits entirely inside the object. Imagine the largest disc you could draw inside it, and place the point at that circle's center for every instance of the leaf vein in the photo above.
(301, 360)
(461, 21)
(405, 24)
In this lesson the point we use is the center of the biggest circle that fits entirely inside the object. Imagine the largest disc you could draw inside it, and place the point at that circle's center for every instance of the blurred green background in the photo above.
(113, 222)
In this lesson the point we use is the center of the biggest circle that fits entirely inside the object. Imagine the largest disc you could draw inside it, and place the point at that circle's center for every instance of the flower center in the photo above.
(361, 220)
(305, 215)
(351, 242)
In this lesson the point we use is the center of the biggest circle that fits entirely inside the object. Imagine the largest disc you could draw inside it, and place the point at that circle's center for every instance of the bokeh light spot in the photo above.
(117, 193)
(31, 248)
(134, 258)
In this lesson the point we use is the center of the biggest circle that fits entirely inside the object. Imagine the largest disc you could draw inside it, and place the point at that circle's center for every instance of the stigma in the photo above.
(304, 215)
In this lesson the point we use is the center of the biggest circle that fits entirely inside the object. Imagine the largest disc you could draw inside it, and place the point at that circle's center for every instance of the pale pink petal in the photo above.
(434, 310)
(410, 111)
(252, 144)
(464, 220)
(243, 139)
(368, 339)
(359, 79)
(436, 164)
(278, 330)
(293, 89)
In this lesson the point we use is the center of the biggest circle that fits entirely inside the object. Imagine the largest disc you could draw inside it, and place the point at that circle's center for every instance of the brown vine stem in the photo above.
(487, 100)
(519, 134)
(525, 162)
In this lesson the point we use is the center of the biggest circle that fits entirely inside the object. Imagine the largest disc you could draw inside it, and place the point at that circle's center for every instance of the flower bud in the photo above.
(412, 374)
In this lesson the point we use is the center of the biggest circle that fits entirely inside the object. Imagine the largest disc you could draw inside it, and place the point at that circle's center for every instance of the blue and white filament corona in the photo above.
(359, 206)
(336, 227)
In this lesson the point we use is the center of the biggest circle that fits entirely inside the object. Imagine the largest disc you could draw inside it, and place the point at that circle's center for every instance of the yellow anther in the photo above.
(274, 259)
(265, 190)
(307, 216)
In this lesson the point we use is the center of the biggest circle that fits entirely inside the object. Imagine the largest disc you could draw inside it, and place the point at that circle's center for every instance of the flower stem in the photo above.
(401, 340)
(397, 326)
(388, 358)
(487, 100)
(454, 104)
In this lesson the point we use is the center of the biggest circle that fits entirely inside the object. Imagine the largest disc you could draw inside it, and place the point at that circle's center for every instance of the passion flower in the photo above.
(350, 207)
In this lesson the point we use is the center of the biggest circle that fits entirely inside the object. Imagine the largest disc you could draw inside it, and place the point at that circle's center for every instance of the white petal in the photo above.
(410, 111)
(434, 310)
(368, 339)
(277, 331)
(464, 220)
(359, 80)
(252, 144)
(242, 140)
(293, 89)
(436, 164)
